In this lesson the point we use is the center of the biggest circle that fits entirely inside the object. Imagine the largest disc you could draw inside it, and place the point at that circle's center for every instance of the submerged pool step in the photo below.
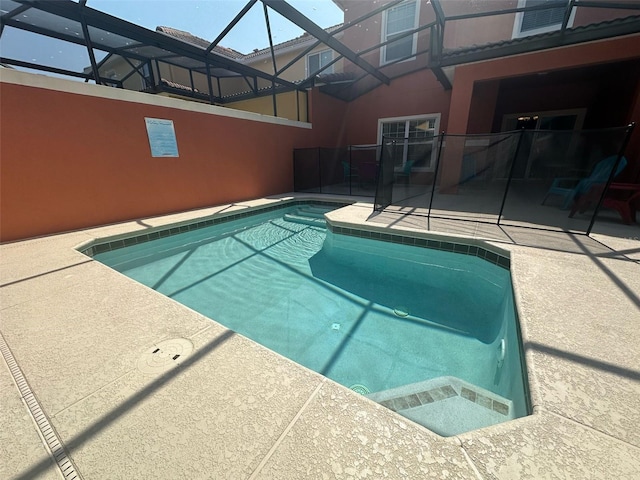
(447, 405)
(312, 212)
(304, 220)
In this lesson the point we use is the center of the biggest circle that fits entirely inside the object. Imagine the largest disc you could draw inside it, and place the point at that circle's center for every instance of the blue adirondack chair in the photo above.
(571, 188)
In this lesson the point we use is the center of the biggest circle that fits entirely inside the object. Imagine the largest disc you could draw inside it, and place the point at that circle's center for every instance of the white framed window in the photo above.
(417, 134)
(545, 20)
(396, 21)
(317, 60)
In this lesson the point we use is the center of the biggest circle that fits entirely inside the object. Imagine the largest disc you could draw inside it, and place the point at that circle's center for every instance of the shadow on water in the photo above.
(413, 301)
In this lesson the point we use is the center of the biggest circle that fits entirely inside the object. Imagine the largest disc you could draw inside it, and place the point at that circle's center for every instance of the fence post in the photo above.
(435, 173)
(513, 164)
(623, 147)
(350, 172)
(319, 170)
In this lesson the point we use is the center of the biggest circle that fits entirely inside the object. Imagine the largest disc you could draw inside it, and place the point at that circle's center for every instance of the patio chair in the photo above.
(349, 172)
(621, 197)
(405, 173)
(572, 188)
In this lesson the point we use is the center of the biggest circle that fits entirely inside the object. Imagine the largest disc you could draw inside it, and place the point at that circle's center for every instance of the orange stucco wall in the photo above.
(70, 161)
(623, 48)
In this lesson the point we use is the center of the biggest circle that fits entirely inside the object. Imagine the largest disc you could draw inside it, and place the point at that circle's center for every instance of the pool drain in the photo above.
(361, 389)
(164, 355)
(401, 311)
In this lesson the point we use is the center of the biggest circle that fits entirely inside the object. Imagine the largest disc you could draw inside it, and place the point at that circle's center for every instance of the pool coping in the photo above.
(487, 451)
(462, 245)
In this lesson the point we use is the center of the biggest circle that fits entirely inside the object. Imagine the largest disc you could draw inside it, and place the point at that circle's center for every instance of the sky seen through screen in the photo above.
(208, 18)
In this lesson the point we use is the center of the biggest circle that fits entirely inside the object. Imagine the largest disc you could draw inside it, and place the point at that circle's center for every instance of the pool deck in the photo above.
(79, 333)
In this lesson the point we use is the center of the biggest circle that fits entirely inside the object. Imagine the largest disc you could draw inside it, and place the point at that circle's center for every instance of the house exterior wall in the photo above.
(467, 77)
(481, 30)
(367, 33)
(67, 166)
(587, 16)
(297, 71)
(414, 94)
(286, 105)
(457, 33)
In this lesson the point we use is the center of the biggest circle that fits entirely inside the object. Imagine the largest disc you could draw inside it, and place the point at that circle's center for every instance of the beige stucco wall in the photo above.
(295, 72)
(286, 105)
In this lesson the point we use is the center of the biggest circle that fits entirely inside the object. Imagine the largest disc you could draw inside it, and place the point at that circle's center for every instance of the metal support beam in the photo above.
(399, 37)
(132, 72)
(273, 59)
(210, 85)
(87, 40)
(136, 33)
(310, 78)
(437, 9)
(442, 78)
(44, 68)
(273, 55)
(338, 30)
(252, 87)
(232, 24)
(567, 16)
(287, 11)
(11, 14)
(437, 38)
(193, 86)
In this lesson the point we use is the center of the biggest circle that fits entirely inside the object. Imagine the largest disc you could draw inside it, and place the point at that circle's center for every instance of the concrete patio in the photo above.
(79, 333)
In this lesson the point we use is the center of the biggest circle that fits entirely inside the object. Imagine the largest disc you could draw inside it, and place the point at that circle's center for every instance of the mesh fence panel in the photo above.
(557, 171)
(333, 170)
(306, 170)
(363, 168)
(472, 175)
(549, 179)
(407, 169)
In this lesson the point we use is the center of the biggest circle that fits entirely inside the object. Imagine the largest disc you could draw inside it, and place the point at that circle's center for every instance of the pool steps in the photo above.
(446, 405)
(308, 215)
(314, 222)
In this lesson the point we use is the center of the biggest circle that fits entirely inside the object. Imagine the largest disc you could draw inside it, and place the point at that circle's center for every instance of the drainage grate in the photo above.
(50, 437)
(164, 355)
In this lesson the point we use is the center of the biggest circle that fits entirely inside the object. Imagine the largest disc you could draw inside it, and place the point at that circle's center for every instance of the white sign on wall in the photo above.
(162, 137)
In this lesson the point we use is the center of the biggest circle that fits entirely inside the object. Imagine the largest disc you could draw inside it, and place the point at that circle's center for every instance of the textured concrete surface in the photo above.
(233, 409)
(548, 446)
(338, 435)
(20, 444)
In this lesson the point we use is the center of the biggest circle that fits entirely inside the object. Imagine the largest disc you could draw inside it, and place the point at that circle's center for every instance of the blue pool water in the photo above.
(359, 311)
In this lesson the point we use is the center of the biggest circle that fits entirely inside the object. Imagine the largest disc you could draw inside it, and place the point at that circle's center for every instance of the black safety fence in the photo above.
(551, 179)
(350, 170)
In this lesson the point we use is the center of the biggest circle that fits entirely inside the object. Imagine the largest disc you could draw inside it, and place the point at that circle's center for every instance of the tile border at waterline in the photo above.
(98, 246)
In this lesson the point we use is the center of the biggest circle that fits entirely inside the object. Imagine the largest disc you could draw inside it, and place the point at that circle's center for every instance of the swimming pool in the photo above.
(425, 332)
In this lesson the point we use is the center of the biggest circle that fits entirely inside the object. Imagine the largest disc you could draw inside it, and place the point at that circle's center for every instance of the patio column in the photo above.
(460, 107)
